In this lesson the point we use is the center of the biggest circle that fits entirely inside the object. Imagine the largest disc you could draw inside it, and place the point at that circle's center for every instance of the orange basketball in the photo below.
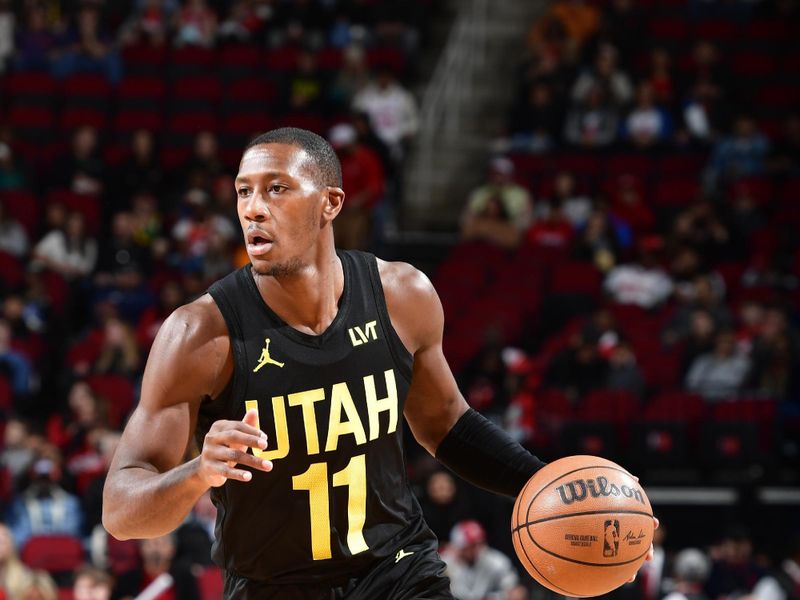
(582, 526)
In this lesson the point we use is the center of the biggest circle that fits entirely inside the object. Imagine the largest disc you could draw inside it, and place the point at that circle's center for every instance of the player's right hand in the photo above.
(225, 446)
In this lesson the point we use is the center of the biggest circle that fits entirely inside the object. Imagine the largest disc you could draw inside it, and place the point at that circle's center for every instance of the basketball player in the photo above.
(325, 351)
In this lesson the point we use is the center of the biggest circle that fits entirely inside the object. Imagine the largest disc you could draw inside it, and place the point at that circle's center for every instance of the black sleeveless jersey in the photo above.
(332, 406)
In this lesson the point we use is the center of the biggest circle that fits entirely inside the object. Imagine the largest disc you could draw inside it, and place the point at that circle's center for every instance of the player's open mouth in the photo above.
(258, 244)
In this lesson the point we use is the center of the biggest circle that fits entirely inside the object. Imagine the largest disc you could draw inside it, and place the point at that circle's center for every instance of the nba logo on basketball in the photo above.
(611, 539)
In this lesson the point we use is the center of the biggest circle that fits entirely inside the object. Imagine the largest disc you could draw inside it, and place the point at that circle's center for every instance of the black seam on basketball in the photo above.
(587, 564)
(584, 513)
(558, 587)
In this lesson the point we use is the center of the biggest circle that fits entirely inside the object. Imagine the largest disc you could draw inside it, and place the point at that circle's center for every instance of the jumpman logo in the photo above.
(266, 359)
(401, 554)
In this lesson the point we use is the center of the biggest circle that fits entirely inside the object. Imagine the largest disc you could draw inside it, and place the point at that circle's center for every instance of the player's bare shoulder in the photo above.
(191, 350)
(413, 304)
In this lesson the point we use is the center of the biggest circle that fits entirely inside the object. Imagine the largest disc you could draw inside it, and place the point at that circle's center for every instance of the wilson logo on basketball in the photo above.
(578, 489)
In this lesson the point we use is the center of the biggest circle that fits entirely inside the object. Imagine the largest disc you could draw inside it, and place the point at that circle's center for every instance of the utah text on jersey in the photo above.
(343, 418)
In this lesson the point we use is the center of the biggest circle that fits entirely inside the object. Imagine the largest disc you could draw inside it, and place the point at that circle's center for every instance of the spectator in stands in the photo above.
(721, 373)
(553, 231)
(36, 42)
(734, 569)
(661, 78)
(579, 368)
(245, 21)
(629, 206)
(149, 22)
(648, 124)
(82, 171)
(119, 354)
(204, 166)
(88, 49)
(699, 230)
(783, 582)
(391, 109)
(579, 19)
(170, 297)
(13, 238)
(499, 211)
(86, 411)
(69, 252)
(147, 219)
(606, 76)
(537, 121)
(15, 363)
(476, 571)
(623, 372)
(363, 179)
(592, 122)
(195, 24)
(741, 154)
(368, 138)
(158, 574)
(141, 171)
(12, 176)
(18, 452)
(601, 240)
(443, 505)
(702, 294)
(690, 571)
(351, 78)
(44, 507)
(14, 575)
(40, 587)
(92, 584)
(305, 86)
(642, 283)
(775, 356)
(120, 255)
(194, 231)
(575, 206)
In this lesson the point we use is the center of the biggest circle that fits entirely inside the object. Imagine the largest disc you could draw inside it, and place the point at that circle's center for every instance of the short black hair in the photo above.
(324, 156)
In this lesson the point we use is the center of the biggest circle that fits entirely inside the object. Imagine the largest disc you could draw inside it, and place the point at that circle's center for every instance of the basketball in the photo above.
(582, 526)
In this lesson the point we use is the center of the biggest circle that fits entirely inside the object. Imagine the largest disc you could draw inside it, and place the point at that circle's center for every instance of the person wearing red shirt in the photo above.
(364, 181)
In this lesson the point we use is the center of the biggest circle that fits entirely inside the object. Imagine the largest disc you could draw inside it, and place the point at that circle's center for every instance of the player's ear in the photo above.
(334, 199)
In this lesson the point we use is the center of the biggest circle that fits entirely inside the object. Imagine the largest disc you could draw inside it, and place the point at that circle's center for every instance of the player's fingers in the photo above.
(234, 456)
(222, 429)
(650, 553)
(251, 418)
(233, 473)
(632, 579)
(233, 437)
(657, 522)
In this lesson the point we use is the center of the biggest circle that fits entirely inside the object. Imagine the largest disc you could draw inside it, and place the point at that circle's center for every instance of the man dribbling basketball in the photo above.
(324, 509)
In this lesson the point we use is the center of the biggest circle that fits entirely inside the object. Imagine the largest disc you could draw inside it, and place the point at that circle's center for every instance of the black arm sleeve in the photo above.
(485, 455)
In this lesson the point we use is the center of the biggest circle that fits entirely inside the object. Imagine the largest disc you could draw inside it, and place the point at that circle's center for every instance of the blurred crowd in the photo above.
(104, 230)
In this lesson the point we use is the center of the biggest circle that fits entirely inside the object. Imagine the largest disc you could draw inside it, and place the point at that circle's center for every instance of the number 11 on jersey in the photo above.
(315, 482)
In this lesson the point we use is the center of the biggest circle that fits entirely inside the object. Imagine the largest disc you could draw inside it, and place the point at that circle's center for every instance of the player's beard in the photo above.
(282, 269)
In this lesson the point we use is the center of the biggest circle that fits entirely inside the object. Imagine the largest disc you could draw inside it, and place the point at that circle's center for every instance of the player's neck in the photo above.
(309, 299)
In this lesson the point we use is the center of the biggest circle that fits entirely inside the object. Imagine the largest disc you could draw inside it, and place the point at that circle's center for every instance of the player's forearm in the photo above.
(486, 456)
(141, 503)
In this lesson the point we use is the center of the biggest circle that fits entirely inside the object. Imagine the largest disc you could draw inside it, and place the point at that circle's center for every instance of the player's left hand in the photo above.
(650, 553)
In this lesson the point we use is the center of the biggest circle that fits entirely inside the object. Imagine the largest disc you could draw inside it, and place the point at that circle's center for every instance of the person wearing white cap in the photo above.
(500, 210)
(476, 571)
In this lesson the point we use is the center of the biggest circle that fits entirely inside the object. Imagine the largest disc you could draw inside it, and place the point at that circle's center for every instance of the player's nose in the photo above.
(256, 209)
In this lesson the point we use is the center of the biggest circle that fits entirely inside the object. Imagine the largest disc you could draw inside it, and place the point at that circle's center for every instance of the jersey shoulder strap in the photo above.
(368, 274)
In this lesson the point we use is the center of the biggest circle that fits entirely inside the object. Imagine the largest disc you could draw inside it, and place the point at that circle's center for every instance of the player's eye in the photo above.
(243, 192)
(277, 188)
